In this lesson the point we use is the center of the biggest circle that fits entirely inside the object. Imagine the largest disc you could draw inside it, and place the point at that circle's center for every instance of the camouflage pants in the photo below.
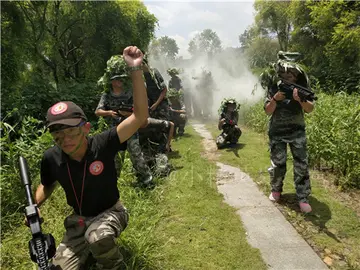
(179, 121)
(278, 155)
(162, 111)
(136, 154)
(158, 162)
(96, 235)
(231, 135)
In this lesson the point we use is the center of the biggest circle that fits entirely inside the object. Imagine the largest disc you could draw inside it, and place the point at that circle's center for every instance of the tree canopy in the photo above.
(327, 33)
(51, 47)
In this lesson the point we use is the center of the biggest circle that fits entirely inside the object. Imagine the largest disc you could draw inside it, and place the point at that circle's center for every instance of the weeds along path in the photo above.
(267, 229)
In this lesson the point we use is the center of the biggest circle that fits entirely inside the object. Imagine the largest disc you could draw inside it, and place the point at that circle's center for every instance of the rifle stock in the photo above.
(41, 246)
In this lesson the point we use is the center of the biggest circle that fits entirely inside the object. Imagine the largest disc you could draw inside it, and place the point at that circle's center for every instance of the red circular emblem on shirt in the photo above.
(96, 167)
(59, 108)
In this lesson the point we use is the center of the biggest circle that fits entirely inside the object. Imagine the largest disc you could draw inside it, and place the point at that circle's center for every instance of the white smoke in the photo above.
(229, 70)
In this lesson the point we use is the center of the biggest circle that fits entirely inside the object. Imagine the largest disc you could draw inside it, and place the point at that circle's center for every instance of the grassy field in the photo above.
(181, 224)
(333, 228)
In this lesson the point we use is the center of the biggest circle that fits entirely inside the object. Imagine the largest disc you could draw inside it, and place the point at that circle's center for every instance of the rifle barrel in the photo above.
(25, 179)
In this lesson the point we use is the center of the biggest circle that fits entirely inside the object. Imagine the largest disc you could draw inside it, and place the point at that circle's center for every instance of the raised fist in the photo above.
(133, 56)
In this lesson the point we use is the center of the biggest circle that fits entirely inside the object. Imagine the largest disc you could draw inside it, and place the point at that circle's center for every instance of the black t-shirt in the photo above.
(100, 184)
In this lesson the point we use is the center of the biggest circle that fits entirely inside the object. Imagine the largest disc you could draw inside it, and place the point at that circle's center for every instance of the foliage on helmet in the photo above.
(115, 66)
(227, 101)
(175, 94)
(173, 71)
(289, 56)
(287, 62)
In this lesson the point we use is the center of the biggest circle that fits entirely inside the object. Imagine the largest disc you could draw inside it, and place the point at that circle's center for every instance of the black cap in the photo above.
(65, 113)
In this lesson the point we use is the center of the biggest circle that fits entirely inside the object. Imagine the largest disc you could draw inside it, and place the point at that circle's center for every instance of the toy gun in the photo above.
(303, 92)
(125, 107)
(228, 121)
(42, 246)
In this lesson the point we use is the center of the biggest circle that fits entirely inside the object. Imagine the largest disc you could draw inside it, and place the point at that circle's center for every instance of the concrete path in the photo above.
(267, 229)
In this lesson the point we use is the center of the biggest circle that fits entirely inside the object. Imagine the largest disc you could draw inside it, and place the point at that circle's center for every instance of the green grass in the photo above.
(198, 230)
(181, 224)
(331, 225)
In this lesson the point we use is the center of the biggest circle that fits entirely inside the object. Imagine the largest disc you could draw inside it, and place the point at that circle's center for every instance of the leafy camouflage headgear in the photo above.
(287, 62)
(173, 71)
(227, 101)
(116, 68)
(175, 94)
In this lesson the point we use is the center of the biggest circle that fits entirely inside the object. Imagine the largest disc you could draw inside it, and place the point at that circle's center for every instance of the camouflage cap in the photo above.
(172, 71)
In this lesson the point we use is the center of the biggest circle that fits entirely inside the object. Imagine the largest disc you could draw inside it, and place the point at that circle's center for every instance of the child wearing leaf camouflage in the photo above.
(287, 126)
(177, 110)
(229, 116)
(117, 85)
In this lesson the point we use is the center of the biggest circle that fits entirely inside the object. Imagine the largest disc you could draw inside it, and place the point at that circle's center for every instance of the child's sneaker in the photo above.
(305, 207)
(274, 196)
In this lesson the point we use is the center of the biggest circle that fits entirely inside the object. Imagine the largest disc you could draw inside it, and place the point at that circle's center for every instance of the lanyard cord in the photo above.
(82, 188)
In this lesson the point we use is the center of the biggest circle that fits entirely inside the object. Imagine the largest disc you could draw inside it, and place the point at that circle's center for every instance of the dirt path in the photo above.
(267, 229)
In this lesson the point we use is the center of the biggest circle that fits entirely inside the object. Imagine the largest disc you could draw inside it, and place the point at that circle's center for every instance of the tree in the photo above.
(54, 44)
(328, 34)
(248, 36)
(273, 17)
(262, 52)
(165, 47)
(207, 42)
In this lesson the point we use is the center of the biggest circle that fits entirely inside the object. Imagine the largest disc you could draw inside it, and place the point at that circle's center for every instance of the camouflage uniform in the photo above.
(175, 83)
(179, 119)
(142, 170)
(231, 132)
(207, 87)
(287, 126)
(153, 142)
(110, 101)
(96, 235)
(154, 85)
(187, 95)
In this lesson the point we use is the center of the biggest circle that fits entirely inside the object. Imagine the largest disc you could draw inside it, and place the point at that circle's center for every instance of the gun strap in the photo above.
(82, 187)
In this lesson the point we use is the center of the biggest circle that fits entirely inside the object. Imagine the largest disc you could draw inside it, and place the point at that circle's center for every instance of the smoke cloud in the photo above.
(229, 70)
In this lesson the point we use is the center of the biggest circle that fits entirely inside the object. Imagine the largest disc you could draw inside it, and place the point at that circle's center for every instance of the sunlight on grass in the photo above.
(331, 225)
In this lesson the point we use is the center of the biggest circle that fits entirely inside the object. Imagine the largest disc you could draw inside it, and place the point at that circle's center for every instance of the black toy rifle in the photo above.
(304, 93)
(42, 246)
(228, 121)
(126, 108)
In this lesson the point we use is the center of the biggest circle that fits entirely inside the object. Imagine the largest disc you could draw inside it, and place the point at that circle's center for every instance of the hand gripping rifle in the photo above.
(303, 92)
(228, 121)
(126, 108)
(41, 246)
